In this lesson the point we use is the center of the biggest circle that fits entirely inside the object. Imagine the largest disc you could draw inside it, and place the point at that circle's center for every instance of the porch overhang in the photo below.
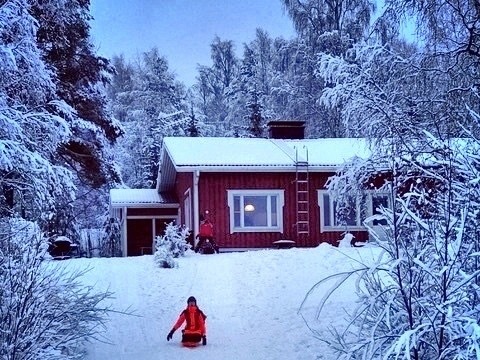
(142, 198)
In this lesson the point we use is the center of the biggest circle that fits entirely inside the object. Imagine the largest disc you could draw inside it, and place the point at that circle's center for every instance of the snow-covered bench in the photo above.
(283, 244)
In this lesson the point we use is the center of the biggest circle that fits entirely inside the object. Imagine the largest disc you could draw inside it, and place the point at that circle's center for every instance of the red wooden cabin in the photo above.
(255, 191)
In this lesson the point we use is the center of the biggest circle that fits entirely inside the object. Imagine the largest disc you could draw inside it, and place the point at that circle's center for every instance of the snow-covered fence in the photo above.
(91, 242)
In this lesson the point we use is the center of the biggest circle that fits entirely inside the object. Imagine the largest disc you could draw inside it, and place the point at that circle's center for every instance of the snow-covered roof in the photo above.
(146, 197)
(330, 152)
(208, 153)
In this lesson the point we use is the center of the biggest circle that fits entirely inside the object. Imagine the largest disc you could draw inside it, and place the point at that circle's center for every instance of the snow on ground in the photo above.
(251, 300)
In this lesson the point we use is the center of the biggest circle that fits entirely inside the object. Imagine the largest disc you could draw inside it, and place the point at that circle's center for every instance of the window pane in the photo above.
(351, 214)
(336, 221)
(236, 220)
(326, 210)
(273, 206)
(236, 211)
(379, 201)
(346, 214)
(364, 208)
(236, 203)
(257, 216)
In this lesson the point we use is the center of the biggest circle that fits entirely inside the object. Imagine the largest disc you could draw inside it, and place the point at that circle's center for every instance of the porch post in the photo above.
(124, 232)
(196, 219)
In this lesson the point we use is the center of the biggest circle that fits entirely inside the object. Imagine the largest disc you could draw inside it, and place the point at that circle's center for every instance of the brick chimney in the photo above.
(286, 129)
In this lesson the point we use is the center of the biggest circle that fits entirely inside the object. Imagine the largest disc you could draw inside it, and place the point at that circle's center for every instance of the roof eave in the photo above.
(252, 168)
(143, 205)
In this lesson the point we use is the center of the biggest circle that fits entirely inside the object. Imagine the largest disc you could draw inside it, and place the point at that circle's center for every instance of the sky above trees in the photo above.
(182, 30)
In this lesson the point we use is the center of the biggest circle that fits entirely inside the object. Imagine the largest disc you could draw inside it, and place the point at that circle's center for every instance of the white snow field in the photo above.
(251, 300)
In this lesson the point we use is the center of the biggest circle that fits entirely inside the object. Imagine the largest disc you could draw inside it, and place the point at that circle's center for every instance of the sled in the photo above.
(190, 344)
(191, 340)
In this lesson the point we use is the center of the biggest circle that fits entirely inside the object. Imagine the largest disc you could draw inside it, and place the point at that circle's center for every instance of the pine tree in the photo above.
(193, 130)
(41, 313)
(248, 76)
(173, 244)
(80, 76)
(256, 118)
(151, 104)
(31, 131)
(120, 88)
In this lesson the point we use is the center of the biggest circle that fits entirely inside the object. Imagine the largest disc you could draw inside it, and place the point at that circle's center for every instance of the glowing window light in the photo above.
(249, 207)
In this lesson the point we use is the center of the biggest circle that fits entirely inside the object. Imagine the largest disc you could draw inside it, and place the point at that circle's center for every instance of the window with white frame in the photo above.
(256, 210)
(352, 214)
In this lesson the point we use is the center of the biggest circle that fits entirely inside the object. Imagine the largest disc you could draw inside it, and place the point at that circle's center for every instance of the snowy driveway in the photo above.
(251, 300)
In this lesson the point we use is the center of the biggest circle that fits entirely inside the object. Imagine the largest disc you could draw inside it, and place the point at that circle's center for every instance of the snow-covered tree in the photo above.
(111, 241)
(45, 310)
(252, 94)
(215, 85)
(57, 133)
(323, 27)
(195, 118)
(80, 77)
(244, 117)
(313, 19)
(151, 103)
(421, 299)
(171, 245)
(120, 88)
(31, 133)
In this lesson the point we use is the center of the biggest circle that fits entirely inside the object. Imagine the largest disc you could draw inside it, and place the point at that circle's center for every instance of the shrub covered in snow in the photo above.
(171, 245)
(45, 312)
(111, 244)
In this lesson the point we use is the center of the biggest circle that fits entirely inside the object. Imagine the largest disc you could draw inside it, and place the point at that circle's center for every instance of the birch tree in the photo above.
(418, 106)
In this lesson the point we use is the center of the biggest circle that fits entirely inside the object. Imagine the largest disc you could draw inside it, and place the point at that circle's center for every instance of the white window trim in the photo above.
(368, 193)
(263, 192)
(187, 209)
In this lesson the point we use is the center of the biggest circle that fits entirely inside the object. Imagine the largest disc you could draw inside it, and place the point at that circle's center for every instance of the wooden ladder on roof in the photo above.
(302, 192)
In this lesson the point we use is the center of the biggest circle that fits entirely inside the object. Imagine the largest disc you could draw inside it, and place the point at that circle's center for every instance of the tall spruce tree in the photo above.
(251, 93)
(80, 76)
(151, 104)
(32, 182)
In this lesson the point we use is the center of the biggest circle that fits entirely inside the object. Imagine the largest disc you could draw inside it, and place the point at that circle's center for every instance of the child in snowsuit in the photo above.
(206, 233)
(195, 329)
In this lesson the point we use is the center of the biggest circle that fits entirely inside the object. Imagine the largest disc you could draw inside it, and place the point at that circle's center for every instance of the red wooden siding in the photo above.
(213, 197)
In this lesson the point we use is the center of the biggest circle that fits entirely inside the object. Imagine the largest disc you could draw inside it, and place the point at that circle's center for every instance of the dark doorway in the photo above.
(139, 237)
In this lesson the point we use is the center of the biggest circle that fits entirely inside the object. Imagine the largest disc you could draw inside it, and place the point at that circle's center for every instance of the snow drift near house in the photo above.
(251, 300)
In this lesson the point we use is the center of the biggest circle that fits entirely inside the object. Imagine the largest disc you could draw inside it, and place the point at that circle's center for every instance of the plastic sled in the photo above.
(190, 344)
(191, 340)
